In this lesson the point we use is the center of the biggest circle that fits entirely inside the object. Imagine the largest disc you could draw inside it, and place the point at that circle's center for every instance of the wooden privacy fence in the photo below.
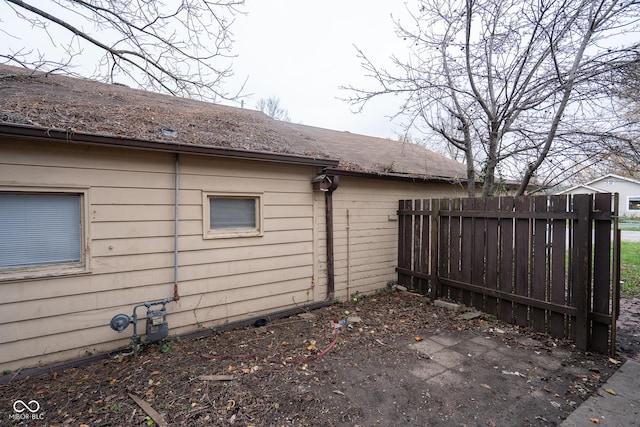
(550, 263)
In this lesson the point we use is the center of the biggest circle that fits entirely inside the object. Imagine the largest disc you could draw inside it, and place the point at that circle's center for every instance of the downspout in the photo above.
(335, 180)
(176, 295)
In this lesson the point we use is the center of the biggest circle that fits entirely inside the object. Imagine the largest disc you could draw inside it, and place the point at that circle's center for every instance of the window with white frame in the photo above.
(232, 215)
(634, 203)
(41, 231)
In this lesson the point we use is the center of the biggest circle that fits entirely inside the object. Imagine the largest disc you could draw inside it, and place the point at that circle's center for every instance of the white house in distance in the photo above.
(627, 188)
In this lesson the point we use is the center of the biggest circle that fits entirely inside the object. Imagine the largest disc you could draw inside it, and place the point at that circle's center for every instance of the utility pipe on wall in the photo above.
(348, 254)
(176, 294)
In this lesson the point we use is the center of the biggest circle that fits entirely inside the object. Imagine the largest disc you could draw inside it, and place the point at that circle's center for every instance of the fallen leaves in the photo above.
(610, 391)
(263, 377)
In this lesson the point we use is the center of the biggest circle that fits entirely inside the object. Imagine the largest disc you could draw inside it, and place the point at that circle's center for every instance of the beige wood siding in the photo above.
(131, 227)
(365, 231)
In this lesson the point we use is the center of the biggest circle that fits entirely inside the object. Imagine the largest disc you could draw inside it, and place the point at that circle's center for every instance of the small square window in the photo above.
(634, 203)
(232, 215)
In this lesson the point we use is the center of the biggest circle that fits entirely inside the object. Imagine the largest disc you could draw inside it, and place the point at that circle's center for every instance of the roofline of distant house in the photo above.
(74, 137)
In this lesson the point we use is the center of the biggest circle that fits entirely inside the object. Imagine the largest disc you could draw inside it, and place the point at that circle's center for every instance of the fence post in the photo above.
(581, 266)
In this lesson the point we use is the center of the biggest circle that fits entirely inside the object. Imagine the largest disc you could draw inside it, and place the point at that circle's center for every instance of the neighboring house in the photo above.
(627, 188)
(272, 217)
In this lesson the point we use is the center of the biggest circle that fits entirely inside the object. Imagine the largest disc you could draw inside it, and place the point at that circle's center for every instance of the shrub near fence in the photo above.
(545, 262)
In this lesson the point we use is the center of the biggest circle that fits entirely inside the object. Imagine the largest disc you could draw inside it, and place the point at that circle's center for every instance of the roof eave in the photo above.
(72, 137)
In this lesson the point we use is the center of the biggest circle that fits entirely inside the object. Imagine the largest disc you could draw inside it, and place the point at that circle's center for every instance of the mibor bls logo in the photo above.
(26, 411)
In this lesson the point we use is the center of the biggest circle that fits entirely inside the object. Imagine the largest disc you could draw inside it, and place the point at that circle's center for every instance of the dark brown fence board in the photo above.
(454, 251)
(580, 283)
(599, 339)
(436, 288)
(558, 267)
(505, 306)
(521, 261)
(492, 248)
(425, 243)
(478, 265)
(538, 276)
(417, 265)
(466, 243)
(404, 262)
(446, 263)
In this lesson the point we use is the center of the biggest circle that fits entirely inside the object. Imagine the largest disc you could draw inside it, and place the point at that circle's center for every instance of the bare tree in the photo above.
(271, 107)
(521, 88)
(182, 48)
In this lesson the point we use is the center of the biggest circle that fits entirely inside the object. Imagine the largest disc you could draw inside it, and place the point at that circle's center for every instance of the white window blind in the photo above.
(38, 229)
(232, 213)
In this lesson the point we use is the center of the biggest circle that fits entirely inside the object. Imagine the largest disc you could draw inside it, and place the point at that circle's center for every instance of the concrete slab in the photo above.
(428, 369)
(426, 346)
(606, 409)
(448, 358)
(448, 305)
(485, 341)
(450, 379)
(470, 348)
(470, 315)
(445, 340)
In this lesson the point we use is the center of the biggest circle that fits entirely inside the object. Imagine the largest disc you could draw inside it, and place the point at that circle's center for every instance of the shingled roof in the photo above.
(85, 107)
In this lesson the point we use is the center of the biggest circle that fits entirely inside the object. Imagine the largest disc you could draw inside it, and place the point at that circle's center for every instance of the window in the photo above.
(237, 215)
(40, 232)
(634, 203)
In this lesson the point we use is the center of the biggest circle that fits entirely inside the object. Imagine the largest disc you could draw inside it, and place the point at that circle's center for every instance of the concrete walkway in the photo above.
(629, 236)
(604, 408)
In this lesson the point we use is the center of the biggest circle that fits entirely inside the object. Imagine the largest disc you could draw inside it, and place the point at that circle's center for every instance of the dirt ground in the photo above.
(302, 371)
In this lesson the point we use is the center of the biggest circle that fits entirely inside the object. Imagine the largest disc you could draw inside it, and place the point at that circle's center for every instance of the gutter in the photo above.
(397, 177)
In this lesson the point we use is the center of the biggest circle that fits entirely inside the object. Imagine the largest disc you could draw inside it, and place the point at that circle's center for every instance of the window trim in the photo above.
(629, 200)
(54, 270)
(208, 233)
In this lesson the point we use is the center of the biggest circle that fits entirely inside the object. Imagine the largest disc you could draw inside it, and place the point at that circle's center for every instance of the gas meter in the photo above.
(157, 326)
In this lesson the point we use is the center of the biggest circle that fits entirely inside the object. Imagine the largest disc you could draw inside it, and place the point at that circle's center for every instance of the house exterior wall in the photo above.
(129, 229)
(366, 230)
(625, 188)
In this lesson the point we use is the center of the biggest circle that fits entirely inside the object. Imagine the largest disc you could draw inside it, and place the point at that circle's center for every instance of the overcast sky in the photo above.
(303, 51)
(300, 51)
